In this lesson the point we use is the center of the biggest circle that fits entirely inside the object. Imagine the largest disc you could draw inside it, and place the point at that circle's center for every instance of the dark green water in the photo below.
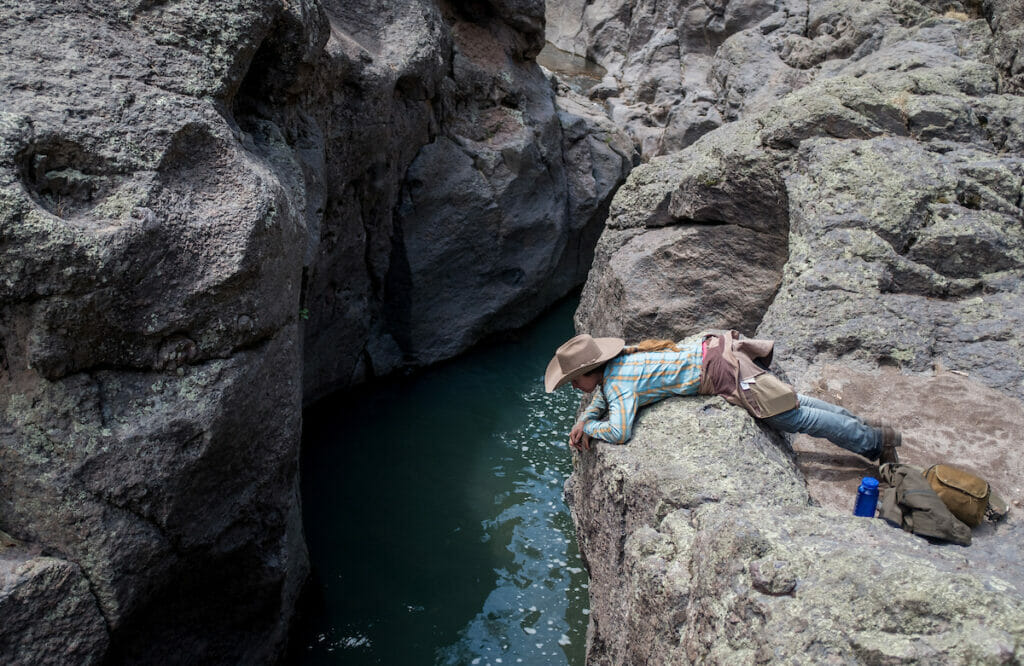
(434, 515)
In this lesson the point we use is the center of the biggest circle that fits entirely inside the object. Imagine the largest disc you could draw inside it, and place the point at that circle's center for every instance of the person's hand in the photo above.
(578, 439)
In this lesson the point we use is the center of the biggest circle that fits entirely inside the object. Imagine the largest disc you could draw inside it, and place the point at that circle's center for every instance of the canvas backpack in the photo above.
(910, 503)
(969, 497)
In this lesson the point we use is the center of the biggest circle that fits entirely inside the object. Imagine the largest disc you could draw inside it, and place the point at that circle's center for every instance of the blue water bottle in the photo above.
(867, 497)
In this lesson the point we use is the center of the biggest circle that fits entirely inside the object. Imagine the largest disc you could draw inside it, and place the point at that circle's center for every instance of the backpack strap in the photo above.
(997, 506)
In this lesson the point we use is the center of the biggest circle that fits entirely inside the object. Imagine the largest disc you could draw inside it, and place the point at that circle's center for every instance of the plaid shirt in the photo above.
(632, 380)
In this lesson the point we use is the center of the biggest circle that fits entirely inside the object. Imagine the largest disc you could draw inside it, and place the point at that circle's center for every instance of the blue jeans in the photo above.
(818, 418)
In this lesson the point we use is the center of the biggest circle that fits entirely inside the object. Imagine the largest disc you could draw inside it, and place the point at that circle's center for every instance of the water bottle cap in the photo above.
(869, 482)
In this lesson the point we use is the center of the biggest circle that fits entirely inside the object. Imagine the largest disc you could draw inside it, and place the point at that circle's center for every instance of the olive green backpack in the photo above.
(910, 503)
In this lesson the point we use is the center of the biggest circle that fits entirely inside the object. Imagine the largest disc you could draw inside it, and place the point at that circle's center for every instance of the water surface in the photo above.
(434, 515)
(577, 72)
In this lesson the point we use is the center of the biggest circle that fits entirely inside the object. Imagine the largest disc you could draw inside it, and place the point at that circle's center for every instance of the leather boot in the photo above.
(891, 439)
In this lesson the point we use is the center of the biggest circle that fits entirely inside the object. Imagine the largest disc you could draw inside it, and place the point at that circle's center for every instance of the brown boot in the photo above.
(891, 439)
(888, 455)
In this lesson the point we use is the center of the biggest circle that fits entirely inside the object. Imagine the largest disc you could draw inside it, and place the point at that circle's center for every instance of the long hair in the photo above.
(648, 345)
(651, 345)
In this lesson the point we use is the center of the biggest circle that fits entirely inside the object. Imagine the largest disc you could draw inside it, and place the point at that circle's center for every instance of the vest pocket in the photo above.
(771, 395)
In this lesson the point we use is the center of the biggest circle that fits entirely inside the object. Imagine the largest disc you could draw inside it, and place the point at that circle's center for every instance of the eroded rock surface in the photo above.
(677, 70)
(462, 195)
(48, 611)
(945, 417)
(703, 547)
(211, 213)
(875, 153)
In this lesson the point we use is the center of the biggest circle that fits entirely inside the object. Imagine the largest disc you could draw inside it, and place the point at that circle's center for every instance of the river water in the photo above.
(577, 72)
(434, 516)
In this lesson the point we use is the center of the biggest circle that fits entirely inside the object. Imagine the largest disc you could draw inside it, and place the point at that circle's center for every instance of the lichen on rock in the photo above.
(890, 205)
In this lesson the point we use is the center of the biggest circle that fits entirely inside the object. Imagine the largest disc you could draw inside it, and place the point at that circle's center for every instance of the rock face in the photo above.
(49, 613)
(211, 213)
(677, 70)
(702, 548)
(892, 183)
(863, 208)
(149, 269)
(463, 195)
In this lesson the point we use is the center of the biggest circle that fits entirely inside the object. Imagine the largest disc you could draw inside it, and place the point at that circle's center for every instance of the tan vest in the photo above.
(730, 369)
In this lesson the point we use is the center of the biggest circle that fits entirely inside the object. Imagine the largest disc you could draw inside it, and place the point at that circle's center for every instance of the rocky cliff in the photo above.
(861, 203)
(211, 213)
(462, 195)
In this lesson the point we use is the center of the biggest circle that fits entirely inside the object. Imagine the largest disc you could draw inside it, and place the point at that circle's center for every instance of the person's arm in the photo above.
(618, 427)
(578, 439)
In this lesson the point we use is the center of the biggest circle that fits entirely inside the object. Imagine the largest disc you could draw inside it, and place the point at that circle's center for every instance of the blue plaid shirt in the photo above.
(632, 380)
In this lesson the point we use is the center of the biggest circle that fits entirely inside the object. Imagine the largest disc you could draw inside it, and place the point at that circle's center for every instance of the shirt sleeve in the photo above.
(618, 427)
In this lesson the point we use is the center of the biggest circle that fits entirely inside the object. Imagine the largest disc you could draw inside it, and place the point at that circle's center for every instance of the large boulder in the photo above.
(889, 186)
(150, 267)
(694, 239)
(703, 546)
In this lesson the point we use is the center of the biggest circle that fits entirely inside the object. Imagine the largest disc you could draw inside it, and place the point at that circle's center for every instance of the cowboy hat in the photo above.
(579, 356)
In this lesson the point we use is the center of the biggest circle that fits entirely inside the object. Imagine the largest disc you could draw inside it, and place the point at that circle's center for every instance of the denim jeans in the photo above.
(818, 418)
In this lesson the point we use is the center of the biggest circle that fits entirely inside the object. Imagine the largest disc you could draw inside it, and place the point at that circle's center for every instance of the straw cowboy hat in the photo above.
(579, 356)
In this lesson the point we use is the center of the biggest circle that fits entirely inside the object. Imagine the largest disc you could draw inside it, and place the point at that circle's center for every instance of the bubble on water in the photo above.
(564, 640)
(357, 641)
(530, 630)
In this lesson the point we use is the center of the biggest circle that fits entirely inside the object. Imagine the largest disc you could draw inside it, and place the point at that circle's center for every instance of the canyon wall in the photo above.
(860, 203)
(213, 213)
(462, 195)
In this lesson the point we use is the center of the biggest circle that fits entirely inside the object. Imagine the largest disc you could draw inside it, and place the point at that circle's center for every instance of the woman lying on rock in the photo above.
(630, 377)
